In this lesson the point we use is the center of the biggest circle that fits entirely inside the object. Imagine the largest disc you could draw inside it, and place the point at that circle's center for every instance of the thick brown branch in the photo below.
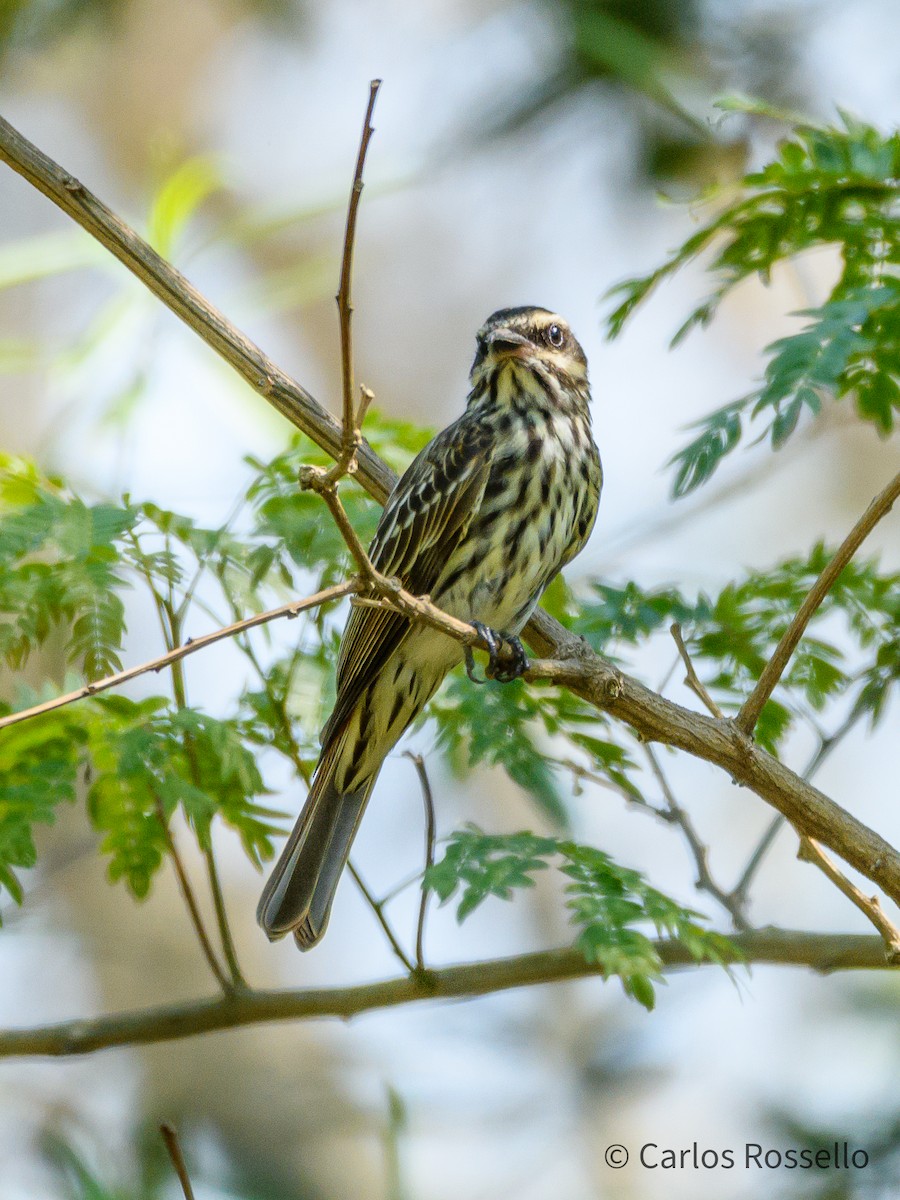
(819, 951)
(190, 647)
(775, 667)
(656, 719)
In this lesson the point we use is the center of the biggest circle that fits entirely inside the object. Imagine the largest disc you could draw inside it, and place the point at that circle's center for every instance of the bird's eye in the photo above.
(555, 335)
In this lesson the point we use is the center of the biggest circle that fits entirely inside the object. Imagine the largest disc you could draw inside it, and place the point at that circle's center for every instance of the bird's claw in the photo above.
(504, 672)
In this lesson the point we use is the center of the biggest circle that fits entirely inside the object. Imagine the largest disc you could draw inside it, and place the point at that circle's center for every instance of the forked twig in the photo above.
(377, 907)
(691, 679)
(344, 300)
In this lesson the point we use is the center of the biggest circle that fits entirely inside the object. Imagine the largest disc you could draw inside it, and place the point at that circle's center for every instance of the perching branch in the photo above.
(824, 952)
(775, 667)
(656, 719)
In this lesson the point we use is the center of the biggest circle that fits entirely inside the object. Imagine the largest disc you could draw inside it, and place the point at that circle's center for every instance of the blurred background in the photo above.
(526, 152)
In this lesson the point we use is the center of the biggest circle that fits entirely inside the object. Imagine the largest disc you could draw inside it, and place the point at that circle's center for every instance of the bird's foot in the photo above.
(506, 656)
(513, 664)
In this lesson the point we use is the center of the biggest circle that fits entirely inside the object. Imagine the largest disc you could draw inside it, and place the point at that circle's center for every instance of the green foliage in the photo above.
(65, 565)
(836, 186)
(606, 901)
(59, 566)
(851, 644)
(39, 763)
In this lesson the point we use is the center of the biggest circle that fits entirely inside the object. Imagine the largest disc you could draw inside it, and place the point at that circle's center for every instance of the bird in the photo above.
(482, 521)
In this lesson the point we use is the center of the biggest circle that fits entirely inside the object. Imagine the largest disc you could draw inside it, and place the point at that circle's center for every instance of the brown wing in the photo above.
(425, 518)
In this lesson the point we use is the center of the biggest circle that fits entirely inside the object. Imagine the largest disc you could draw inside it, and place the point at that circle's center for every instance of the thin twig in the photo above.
(811, 851)
(175, 617)
(428, 800)
(170, 1137)
(225, 936)
(191, 646)
(191, 901)
(775, 667)
(344, 296)
(691, 679)
(699, 851)
(377, 907)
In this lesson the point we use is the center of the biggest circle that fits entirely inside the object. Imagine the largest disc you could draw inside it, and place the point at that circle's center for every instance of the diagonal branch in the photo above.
(183, 299)
(190, 647)
(656, 719)
(810, 851)
(775, 667)
(819, 951)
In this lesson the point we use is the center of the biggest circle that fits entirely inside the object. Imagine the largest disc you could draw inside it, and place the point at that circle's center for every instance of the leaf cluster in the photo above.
(837, 186)
(607, 902)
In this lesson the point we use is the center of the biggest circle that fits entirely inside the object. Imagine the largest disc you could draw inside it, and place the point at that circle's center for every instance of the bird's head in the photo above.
(532, 338)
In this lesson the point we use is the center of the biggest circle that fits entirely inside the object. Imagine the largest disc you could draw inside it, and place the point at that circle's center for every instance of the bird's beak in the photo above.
(505, 342)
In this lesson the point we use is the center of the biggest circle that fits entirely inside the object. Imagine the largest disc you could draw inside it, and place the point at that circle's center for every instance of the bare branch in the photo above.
(699, 851)
(170, 1137)
(811, 851)
(344, 300)
(428, 800)
(190, 900)
(824, 952)
(775, 667)
(691, 679)
(377, 907)
(191, 646)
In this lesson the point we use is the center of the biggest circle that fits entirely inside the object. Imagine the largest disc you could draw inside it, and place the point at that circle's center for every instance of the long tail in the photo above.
(301, 888)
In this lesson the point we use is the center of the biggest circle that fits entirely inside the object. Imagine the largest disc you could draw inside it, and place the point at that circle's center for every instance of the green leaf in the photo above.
(606, 901)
